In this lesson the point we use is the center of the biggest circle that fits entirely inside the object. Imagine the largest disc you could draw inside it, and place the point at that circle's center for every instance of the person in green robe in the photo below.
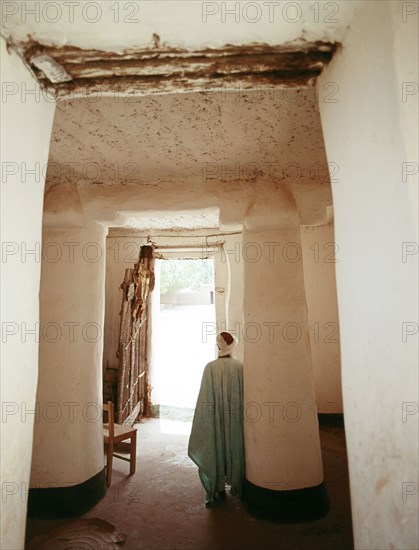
(216, 443)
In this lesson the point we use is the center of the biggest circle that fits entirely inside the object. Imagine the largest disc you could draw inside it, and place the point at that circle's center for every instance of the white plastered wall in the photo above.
(320, 255)
(371, 133)
(26, 130)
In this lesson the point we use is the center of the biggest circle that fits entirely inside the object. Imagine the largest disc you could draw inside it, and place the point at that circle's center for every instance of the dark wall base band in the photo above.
(327, 419)
(55, 502)
(286, 506)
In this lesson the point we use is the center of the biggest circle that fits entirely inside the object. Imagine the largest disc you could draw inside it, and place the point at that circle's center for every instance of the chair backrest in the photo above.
(110, 410)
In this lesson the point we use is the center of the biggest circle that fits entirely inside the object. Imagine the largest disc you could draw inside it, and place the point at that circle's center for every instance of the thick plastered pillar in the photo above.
(68, 440)
(26, 120)
(370, 133)
(284, 469)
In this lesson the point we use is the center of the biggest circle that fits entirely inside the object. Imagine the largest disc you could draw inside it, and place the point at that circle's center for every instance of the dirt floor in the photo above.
(162, 507)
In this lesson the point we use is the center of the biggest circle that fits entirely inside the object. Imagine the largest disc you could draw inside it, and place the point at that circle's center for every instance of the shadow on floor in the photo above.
(161, 507)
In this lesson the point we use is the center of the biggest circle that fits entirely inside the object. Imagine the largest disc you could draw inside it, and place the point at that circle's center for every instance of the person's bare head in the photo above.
(227, 337)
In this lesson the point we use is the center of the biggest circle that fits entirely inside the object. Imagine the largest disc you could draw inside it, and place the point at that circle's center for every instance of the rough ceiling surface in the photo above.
(114, 158)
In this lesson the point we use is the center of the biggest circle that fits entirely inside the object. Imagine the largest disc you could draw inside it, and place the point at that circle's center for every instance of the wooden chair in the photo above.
(115, 433)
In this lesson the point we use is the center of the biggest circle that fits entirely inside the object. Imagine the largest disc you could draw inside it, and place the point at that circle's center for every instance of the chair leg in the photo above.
(133, 454)
(109, 465)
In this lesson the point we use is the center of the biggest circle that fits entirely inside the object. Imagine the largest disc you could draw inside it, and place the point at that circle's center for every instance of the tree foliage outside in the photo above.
(179, 274)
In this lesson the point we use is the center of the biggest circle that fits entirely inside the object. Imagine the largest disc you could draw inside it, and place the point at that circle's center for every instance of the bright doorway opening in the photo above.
(183, 308)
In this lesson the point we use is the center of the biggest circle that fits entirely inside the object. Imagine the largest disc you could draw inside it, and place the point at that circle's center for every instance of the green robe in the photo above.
(216, 444)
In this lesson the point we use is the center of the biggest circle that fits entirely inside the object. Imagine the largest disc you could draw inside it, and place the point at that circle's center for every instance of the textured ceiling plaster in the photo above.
(116, 158)
(169, 138)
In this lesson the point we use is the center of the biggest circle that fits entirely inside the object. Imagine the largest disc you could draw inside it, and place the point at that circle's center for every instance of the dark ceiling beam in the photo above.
(69, 70)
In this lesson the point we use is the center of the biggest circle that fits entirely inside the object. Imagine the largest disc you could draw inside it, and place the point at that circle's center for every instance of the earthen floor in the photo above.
(161, 507)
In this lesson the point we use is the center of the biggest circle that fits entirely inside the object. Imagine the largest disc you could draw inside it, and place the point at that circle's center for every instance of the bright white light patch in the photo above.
(175, 427)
